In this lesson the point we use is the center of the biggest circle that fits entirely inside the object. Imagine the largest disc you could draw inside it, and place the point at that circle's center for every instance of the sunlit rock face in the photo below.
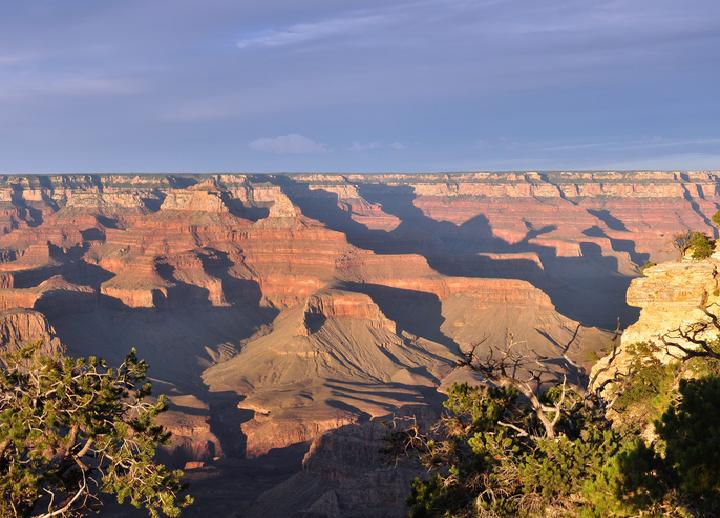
(284, 306)
(20, 327)
(674, 297)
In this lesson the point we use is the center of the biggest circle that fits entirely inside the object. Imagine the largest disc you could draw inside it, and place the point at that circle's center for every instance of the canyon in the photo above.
(287, 316)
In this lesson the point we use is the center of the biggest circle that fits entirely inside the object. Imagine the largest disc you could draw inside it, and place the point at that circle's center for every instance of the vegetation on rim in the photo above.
(639, 444)
(71, 429)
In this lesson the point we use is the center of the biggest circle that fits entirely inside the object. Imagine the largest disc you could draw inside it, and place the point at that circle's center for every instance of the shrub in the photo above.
(689, 430)
(716, 218)
(681, 241)
(701, 245)
(491, 456)
(645, 395)
(647, 265)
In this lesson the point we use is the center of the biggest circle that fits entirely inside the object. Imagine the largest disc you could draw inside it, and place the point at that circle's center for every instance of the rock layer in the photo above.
(674, 297)
(321, 300)
(19, 327)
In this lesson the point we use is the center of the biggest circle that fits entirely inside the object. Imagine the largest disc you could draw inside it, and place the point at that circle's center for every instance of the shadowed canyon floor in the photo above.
(280, 311)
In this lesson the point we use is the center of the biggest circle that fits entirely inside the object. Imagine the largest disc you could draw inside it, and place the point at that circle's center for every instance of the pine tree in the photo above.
(71, 429)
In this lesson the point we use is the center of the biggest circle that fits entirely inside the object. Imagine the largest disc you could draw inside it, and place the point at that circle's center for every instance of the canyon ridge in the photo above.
(286, 315)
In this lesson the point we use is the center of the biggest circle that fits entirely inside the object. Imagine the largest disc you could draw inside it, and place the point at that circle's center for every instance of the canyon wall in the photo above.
(679, 302)
(274, 308)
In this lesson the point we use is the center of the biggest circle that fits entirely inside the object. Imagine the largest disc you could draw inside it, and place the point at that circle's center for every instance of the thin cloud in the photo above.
(663, 143)
(629, 145)
(370, 146)
(675, 161)
(307, 32)
(437, 71)
(350, 23)
(38, 86)
(13, 59)
(292, 144)
(79, 85)
(367, 146)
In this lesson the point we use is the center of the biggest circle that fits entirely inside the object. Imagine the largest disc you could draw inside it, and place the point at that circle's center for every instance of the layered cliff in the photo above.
(677, 299)
(20, 327)
(320, 300)
(331, 361)
(344, 474)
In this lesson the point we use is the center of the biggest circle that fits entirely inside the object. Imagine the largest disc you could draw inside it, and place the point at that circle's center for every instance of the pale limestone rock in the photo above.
(672, 296)
(198, 200)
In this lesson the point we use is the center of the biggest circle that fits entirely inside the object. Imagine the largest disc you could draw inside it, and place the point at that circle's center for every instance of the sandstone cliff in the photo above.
(674, 297)
(329, 362)
(344, 474)
(320, 300)
(20, 327)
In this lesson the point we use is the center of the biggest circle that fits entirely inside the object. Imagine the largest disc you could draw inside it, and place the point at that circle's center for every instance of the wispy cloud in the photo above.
(13, 59)
(292, 144)
(364, 146)
(370, 146)
(554, 147)
(636, 144)
(93, 85)
(675, 161)
(307, 32)
(30, 87)
(570, 83)
(359, 21)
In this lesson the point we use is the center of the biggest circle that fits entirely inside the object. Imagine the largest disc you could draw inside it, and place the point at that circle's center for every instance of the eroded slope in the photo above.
(311, 301)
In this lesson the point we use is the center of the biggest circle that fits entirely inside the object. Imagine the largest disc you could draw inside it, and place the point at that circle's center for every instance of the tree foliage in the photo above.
(701, 245)
(688, 433)
(697, 242)
(646, 265)
(642, 397)
(648, 447)
(491, 456)
(681, 241)
(71, 429)
(716, 218)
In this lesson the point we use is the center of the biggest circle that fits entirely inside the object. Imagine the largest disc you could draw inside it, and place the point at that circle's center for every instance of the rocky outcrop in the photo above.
(192, 443)
(671, 296)
(332, 304)
(20, 327)
(290, 233)
(333, 360)
(345, 474)
(674, 297)
(266, 431)
(194, 200)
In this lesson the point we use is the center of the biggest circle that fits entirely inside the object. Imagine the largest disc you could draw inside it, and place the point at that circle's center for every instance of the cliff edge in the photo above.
(675, 298)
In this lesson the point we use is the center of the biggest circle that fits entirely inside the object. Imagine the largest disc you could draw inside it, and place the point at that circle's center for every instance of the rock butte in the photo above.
(275, 308)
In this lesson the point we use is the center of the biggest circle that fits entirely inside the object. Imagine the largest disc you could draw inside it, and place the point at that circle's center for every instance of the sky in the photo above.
(329, 85)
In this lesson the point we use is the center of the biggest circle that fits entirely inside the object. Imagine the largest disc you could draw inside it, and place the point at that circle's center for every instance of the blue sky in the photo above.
(330, 85)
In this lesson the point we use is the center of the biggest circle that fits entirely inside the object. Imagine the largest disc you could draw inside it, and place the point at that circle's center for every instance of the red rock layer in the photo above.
(378, 279)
